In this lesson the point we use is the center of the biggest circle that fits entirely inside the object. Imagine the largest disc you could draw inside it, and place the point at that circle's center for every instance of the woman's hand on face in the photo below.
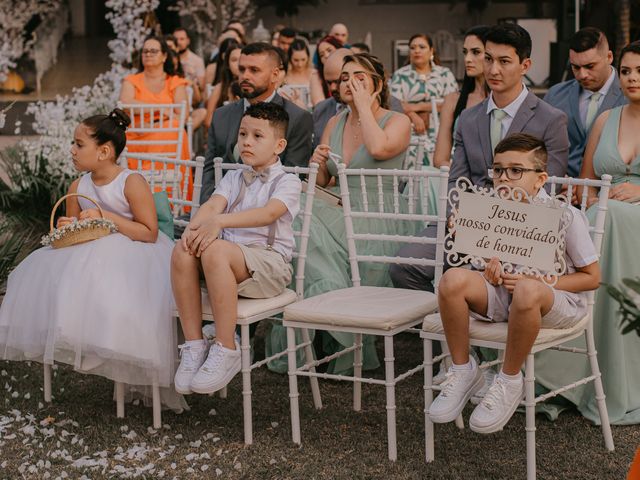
(625, 192)
(321, 155)
(362, 99)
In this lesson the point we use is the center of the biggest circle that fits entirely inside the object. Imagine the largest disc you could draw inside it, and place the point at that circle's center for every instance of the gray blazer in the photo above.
(565, 96)
(472, 156)
(322, 112)
(223, 136)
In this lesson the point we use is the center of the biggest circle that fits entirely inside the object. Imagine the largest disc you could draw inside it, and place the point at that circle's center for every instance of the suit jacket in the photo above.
(223, 136)
(473, 156)
(565, 96)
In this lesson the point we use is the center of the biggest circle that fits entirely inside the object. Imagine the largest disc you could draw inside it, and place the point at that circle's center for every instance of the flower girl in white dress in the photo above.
(105, 306)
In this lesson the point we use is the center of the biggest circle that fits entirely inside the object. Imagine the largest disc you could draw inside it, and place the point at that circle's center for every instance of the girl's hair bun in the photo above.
(120, 118)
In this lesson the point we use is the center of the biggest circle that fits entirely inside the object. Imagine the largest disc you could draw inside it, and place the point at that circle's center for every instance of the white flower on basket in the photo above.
(77, 226)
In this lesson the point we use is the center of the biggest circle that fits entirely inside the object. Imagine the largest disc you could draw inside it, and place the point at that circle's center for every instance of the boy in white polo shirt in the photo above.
(525, 302)
(241, 239)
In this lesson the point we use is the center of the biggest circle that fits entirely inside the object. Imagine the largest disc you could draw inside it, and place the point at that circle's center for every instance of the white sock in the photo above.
(197, 344)
(517, 378)
(470, 365)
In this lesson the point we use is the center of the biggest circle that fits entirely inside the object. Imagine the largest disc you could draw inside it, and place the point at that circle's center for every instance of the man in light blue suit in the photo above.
(596, 88)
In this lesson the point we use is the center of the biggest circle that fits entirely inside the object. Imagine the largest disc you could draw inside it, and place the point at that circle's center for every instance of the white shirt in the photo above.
(579, 248)
(585, 96)
(247, 103)
(256, 196)
(510, 109)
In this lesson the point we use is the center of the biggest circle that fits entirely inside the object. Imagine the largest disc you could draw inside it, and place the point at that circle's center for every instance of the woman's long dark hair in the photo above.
(633, 47)
(227, 78)
(227, 45)
(168, 66)
(468, 83)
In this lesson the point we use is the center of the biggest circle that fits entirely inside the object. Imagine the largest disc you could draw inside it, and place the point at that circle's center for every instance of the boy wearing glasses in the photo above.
(526, 303)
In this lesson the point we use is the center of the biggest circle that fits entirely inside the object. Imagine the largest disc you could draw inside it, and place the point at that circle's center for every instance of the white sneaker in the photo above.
(489, 375)
(457, 387)
(218, 369)
(498, 405)
(191, 359)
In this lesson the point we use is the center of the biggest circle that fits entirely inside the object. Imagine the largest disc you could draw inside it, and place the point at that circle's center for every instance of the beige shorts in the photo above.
(270, 273)
(567, 310)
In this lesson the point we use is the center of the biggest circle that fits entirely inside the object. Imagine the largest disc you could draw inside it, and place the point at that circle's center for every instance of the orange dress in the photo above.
(167, 95)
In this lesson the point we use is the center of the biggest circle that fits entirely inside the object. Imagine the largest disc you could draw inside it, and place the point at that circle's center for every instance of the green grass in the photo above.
(337, 443)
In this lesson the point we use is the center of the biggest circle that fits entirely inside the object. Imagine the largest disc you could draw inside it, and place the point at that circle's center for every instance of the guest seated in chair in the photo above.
(241, 240)
(526, 303)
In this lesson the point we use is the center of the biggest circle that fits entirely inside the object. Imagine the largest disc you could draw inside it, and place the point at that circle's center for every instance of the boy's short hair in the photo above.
(586, 39)
(276, 115)
(524, 142)
(513, 35)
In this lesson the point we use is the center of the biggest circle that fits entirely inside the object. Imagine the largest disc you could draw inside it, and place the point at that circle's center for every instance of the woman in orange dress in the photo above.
(156, 83)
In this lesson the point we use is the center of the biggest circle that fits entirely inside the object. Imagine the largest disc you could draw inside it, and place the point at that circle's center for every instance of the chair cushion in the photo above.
(363, 307)
(497, 332)
(249, 307)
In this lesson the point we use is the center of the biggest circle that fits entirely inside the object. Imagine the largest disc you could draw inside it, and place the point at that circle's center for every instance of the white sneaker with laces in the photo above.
(218, 369)
(497, 406)
(457, 387)
(191, 359)
(489, 375)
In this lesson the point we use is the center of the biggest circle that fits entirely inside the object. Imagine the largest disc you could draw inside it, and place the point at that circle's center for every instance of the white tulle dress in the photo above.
(104, 307)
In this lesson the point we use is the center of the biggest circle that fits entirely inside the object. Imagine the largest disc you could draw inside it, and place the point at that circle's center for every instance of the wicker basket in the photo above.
(82, 231)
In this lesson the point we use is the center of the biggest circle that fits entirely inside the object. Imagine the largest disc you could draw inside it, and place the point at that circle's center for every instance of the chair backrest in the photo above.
(376, 199)
(209, 90)
(190, 121)
(172, 176)
(302, 235)
(597, 229)
(415, 153)
(435, 115)
(147, 118)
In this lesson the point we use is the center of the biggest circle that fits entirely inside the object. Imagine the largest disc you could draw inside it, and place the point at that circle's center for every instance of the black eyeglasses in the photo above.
(513, 173)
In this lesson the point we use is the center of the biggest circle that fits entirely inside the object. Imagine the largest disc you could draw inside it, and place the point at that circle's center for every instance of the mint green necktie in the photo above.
(497, 116)
(592, 109)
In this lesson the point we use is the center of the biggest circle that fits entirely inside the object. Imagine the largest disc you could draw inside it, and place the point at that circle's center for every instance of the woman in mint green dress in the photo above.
(613, 148)
(366, 135)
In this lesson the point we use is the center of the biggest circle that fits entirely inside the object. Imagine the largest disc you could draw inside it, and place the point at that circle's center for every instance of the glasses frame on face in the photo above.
(151, 51)
(512, 173)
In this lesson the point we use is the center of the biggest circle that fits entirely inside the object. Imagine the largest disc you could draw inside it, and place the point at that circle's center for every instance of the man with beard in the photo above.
(259, 71)
(192, 64)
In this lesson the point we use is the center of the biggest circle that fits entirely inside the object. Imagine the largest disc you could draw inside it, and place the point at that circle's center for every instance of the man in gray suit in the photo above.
(510, 108)
(258, 79)
(594, 89)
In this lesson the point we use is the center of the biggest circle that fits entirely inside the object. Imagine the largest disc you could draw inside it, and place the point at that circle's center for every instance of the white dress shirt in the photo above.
(510, 109)
(256, 196)
(585, 96)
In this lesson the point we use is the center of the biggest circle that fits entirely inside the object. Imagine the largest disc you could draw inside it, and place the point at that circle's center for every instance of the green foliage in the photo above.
(628, 298)
(287, 8)
(27, 196)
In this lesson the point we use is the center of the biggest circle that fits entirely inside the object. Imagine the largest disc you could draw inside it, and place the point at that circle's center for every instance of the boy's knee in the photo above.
(527, 294)
(180, 257)
(214, 254)
(453, 281)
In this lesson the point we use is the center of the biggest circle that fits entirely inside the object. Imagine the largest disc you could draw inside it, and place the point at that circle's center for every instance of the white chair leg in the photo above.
(293, 385)
(119, 399)
(428, 398)
(246, 383)
(530, 409)
(157, 408)
(308, 353)
(391, 398)
(223, 393)
(357, 372)
(597, 383)
(47, 383)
